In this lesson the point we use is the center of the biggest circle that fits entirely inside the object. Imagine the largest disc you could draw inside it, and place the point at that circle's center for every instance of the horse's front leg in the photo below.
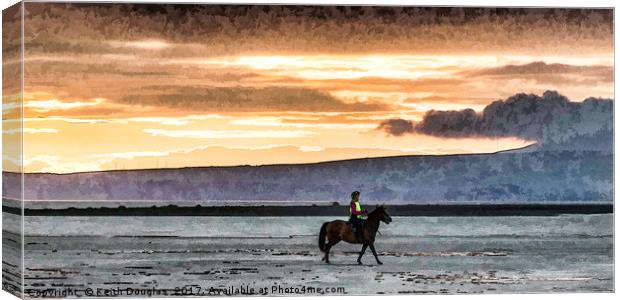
(372, 248)
(359, 259)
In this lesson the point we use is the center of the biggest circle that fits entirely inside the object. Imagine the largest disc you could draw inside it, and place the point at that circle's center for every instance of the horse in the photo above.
(338, 230)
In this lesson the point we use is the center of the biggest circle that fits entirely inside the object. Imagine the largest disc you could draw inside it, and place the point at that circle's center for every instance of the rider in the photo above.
(356, 214)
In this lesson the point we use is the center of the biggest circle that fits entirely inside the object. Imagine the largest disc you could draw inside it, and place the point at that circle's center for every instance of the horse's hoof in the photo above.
(359, 262)
(380, 263)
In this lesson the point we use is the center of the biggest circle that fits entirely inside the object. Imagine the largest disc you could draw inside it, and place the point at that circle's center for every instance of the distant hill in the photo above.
(515, 177)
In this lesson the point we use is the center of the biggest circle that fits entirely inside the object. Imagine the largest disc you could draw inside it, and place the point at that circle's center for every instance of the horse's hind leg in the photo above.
(359, 259)
(372, 248)
(329, 245)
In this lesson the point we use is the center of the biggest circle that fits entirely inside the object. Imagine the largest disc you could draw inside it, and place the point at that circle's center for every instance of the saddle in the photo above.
(351, 226)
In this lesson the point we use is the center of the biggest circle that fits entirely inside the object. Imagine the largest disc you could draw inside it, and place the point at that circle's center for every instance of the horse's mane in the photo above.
(375, 211)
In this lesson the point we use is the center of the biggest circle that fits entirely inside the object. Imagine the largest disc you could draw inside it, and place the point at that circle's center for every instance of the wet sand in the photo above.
(198, 266)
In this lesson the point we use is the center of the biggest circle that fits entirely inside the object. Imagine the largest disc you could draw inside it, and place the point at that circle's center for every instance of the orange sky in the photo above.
(98, 99)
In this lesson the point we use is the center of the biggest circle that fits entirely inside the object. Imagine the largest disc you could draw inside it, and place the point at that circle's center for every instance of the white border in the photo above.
(506, 3)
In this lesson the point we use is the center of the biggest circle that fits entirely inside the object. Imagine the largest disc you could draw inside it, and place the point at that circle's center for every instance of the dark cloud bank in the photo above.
(230, 29)
(245, 99)
(551, 120)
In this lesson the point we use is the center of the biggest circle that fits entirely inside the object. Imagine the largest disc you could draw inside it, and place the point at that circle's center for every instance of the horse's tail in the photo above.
(322, 236)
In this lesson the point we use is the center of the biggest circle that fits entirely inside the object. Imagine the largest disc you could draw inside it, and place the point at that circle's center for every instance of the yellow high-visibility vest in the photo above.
(358, 207)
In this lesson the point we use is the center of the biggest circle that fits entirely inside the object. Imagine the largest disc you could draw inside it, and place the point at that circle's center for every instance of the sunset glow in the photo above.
(150, 99)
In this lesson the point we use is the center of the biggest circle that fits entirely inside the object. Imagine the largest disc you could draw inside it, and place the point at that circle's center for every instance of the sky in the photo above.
(120, 86)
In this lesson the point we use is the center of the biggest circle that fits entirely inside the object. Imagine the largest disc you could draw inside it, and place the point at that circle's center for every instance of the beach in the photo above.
(201, 256)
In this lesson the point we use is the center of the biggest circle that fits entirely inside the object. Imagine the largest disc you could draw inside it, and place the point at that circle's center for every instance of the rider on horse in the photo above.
(333, 232)
(356, 214)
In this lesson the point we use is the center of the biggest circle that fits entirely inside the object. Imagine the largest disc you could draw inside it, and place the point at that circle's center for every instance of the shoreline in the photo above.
(411, 210)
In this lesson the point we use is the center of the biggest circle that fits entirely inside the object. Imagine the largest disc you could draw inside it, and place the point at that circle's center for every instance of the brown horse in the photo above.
(338, 230)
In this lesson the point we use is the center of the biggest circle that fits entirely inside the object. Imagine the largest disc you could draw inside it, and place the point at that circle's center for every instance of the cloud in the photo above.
(145, 44)
(449, 123)
(540, 67)
(324, 48)
(552, 120)
(29, 130)
(396, 127)
(240, 99)
(233, 29)
(554, 73)
(54, 104)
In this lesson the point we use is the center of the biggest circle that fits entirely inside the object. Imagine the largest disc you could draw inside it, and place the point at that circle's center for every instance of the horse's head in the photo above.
(383, 214)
